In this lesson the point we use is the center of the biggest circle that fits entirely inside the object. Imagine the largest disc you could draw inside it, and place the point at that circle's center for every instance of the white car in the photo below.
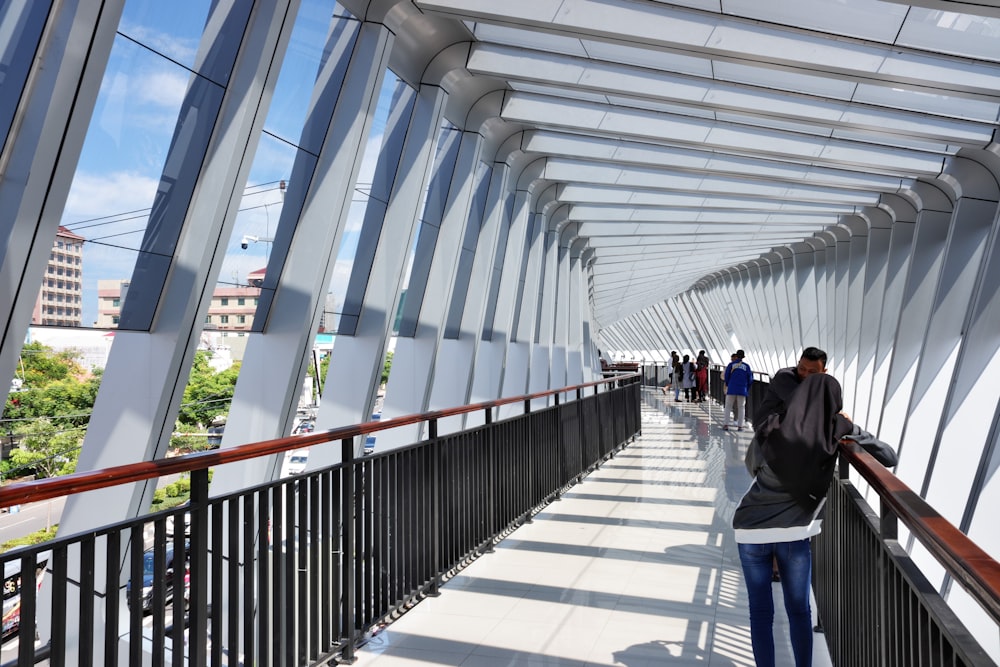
(295, 462)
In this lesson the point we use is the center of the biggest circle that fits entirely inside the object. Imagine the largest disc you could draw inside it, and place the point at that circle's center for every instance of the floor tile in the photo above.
(634, 566)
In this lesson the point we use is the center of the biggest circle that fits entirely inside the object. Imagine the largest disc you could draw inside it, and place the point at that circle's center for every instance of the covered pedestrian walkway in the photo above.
(634, 566)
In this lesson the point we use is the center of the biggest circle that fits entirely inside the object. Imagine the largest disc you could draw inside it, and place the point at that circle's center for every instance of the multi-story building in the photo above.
(60, 300)
(232, 307)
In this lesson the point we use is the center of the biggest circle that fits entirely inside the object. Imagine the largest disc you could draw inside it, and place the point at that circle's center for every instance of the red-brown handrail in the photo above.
(978, 573)
(78, 482)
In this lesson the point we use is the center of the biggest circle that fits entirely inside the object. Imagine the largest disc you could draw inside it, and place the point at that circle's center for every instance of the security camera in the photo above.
(244, 245)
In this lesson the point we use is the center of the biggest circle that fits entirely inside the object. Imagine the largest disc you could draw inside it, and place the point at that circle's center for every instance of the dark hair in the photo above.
(814, 354)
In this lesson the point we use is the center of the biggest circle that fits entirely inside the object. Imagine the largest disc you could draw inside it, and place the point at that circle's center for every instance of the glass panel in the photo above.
(339, 280)
(120, 165)
(249, 247)
(950, 32)
(949, 74)
(647, 57)
(819, 129)
(895, 140)
(21, 25)
(780, 45)
(531, 39)
(784, 80)
(933, 103)
(661, 107)
(866, 19)
(545, 89)
(171, 29)
(293, 92)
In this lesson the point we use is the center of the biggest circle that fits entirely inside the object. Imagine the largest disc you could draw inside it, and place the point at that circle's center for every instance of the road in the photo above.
(30, 518)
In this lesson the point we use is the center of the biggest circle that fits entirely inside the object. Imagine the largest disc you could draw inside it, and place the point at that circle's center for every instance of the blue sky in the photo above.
(133, 122)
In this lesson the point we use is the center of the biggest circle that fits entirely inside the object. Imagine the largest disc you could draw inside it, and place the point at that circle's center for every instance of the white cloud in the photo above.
(165, 88)
(98, 195)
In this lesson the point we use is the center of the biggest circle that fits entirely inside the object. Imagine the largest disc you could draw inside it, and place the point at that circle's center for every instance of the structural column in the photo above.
(62, 48)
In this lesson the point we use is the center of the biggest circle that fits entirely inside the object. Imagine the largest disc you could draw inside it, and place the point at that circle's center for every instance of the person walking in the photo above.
(675, 360)
(738, 378)
(688, 382)
(792, 461)
(701, 376)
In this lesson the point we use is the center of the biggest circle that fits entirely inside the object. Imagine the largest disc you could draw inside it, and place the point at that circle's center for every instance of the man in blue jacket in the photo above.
(738, 379)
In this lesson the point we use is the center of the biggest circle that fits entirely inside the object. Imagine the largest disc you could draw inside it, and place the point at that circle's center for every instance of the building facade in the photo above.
(60, 300)
(232, 307)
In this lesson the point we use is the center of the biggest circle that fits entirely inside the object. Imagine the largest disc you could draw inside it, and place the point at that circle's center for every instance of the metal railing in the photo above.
(298, 571)
(874, 604)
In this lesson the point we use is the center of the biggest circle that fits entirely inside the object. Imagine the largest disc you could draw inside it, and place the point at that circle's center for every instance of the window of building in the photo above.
(116, 303)
(256, 301)
(241, 301)
(224, 319)
(224, 301)
(114, 319)
(243, 319)
(208, 319)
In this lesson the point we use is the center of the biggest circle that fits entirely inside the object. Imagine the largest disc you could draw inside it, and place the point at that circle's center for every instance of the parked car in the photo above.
(295, 462)
(149, 573)
(12, 593)
(172, 521)
(369, 447)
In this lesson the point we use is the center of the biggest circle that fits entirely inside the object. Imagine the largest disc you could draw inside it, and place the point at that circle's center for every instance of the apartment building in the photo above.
(232, 306)
(60, 300)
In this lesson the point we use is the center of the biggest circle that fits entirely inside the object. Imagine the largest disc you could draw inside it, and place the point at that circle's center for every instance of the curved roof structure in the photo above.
(683, 138)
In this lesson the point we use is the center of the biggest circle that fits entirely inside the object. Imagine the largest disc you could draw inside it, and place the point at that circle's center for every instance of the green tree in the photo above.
(208, 394)
(50, 412)
(47, 448)
(386, 367)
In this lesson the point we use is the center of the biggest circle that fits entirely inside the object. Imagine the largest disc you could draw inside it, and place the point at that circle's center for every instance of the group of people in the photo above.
(691, 377)
(688, 376)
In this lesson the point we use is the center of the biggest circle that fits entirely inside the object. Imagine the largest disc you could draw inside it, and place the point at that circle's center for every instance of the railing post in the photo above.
(560, 458)
(348, 539)
(491, 506)
(436, 491)
(198, 617)
(528, 464)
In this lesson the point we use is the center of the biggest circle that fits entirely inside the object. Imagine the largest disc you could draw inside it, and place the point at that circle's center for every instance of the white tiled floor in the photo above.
(635, 566)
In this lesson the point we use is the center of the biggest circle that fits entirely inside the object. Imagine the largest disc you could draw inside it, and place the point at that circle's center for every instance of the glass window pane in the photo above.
(865, 19)
(172, 29)
(120, 166)
(951, 32)
(293, 92)
(21, 25)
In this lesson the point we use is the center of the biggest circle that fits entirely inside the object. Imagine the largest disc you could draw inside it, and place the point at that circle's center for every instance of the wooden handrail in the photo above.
(79, 482)
(978, 573)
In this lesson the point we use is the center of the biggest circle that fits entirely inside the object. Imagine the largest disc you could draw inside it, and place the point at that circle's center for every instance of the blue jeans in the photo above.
(795, 567)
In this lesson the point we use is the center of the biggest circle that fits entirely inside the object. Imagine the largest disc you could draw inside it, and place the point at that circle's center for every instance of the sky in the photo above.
(134, 119)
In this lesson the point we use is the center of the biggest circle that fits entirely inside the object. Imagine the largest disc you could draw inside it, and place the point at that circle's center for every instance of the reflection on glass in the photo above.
(356, 213)
(294, 90)
(21, 26)
(120, 166)
(172, 29)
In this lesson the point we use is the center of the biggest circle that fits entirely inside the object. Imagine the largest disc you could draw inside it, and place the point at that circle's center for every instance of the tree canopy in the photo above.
(208, 394)
(49, 413)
